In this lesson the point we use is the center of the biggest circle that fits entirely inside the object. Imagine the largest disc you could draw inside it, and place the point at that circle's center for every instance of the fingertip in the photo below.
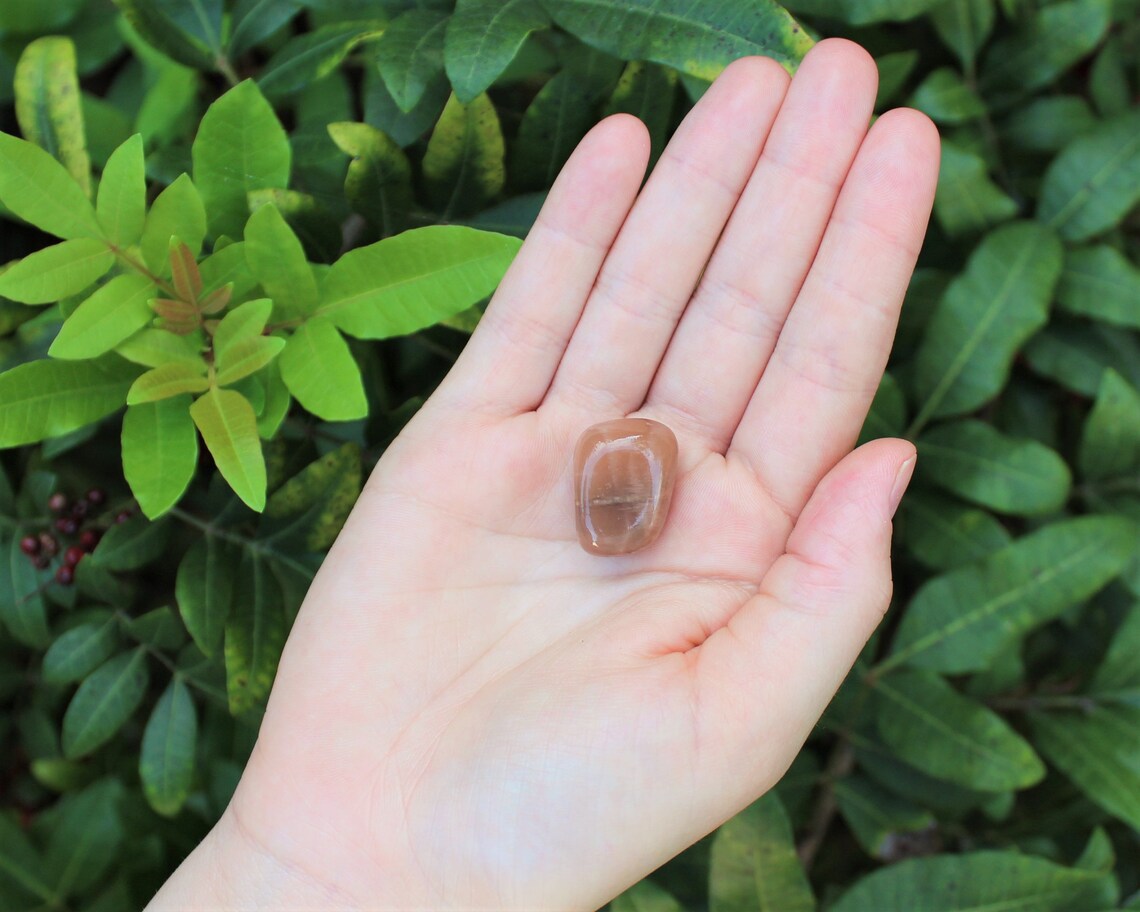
(848, 60)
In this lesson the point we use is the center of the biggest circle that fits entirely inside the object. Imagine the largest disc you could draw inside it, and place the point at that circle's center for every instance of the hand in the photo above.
(472, 712)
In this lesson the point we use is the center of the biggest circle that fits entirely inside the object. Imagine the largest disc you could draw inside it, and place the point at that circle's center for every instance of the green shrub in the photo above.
(267, 225)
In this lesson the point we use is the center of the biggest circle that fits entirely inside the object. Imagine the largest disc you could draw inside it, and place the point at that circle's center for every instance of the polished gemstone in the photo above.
(623, 478)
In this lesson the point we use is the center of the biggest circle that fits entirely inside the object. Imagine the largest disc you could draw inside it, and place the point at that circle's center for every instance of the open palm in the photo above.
(471, 711)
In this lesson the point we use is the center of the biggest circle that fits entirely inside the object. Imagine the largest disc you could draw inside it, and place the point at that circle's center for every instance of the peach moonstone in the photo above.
(623, 483)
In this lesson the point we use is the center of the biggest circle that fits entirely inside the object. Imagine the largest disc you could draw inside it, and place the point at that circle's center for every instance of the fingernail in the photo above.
(902, 479)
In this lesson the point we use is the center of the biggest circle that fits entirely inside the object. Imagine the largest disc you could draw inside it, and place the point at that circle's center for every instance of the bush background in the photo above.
(987, 747)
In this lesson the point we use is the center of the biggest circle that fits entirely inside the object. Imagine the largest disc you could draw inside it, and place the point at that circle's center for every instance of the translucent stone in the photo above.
(624, 472)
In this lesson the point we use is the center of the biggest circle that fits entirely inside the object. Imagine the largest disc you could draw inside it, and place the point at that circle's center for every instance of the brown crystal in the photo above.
(623, 479)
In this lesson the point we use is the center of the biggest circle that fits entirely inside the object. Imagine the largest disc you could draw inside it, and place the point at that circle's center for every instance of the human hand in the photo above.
(472, 712)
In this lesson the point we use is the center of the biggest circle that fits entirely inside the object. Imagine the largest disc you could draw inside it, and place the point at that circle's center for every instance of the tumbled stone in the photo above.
(624, 472)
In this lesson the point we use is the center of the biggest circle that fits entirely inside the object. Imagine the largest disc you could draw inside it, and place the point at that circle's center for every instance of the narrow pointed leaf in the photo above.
(243, 322)
(79, 651)
(699, 39)
(246, 356)
(410, 54)
(38, 189)
(47, 398)
(56, 272)
(160, 452)
(964, 26)
(204, 590)
(878, 819)
(187, 32)
(176, 212)
(753, 865)
(121, 202)
(86, 837)
(313, 55)
(105, 700)
(255, 20)
(229, 427)
(379, 180)
(309, 510)
(1110, 441)
(115, 312)
(166, 760)
(255, 636)
(463, 165)
(984, 317)
(277, 260)
(22, 608)
(960, 621)
(945, 533)
(1120, 670)
(169, 380)
(48, 104)
(967, 200)
(240, 146)
(647, 91)
(950, 736)
(131, 544)
(1101, 283)
(404, 283)
(319, 370)
(483, 37)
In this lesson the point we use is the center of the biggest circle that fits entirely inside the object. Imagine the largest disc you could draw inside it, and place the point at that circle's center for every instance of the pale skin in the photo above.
(472, 712)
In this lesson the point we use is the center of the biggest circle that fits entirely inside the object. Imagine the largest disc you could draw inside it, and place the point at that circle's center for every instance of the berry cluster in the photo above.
(75, 521)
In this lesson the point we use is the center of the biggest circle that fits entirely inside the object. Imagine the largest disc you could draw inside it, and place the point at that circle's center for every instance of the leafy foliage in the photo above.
(242, 240)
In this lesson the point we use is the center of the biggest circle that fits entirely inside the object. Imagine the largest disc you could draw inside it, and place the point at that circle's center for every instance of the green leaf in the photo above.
(131, 544)
(35, 187)
(483, 37)
(647, 91)
(964, 26)
(1110, 441)
(878, 819)
(946, 98)
(887, 415)
(645, 896)
(170, 107)
(753, 863)
(1047, 124)
(319, 370)
(379, 181)
(255, 636)
(1100, 282)
(1120, 670)
(240, 146)
(314, 223)
(168, 380)
(160, 452)
(189, 32)
(79, 651)
(699, 39)
(204, 590)
(986, 314)
(22, 606)
(20, 863)
(558, 117)
(115, 312)
(229, 428)
(56, 272)
(247, 356)
(967, 200)
(409, 54)
(159, 628)
(1075, 355)
(972, 882)
(313, 55)
(44, 399)
(256, 20)
(1052, 40)
(1108, 79)
(121, 202)
(309, 510)
(176, 212)
(979, 463)
(404, 283)
(1099, 750)
(382, 112)
(949, 736)
(463, 165)
(244, 321)
(277, 261)
(35, 17)
(944, 533)
(105, 700)
(86, 835)
(166, 760)
(277, 401)
(1095, 181)
(48, 104)
(960, 621)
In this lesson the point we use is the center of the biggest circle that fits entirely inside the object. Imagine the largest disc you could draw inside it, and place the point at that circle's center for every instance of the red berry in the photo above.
(49, 544)
(123, 516)
(88, 539)
(57, 503)
(67, 525)
(79, 509)
(65, 575)
(72, 555)
(30, 545)
(96, 497)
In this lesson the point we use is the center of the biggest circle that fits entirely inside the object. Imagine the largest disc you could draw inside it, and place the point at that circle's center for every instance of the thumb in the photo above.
(797, 638)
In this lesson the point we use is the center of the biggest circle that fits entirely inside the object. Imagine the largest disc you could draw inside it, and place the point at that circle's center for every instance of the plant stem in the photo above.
(839, 764)
(142, 270)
